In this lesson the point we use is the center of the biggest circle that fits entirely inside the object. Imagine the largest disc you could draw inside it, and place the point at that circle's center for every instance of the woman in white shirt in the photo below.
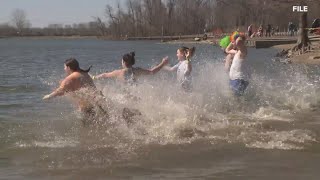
(183, 67)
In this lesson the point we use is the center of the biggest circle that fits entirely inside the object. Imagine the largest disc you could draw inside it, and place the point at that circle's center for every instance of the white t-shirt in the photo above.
(182, 68)
(238, 69)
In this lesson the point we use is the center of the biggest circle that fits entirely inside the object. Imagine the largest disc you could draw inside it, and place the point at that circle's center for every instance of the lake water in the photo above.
(272, 132)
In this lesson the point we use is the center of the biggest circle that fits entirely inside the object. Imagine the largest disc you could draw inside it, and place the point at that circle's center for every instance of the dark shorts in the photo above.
(238, 86)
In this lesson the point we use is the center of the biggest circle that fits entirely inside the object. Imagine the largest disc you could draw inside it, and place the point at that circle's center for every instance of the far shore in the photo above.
(58, 37)
(312, 57)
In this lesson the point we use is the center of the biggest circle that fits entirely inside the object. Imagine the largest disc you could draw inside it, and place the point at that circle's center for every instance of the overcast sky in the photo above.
(40, 13)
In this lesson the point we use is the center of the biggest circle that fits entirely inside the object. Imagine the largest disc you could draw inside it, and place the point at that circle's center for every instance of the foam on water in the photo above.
(57, 143)
(170, 116)
(294, 139)
(210, 112)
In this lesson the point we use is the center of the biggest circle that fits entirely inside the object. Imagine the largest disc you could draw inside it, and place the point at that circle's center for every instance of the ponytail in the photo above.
(129, 59)
(186, 49)
(73, 64)
(87, 70)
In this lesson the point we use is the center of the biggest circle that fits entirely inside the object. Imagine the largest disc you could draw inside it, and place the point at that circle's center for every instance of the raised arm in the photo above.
(228, 62)
(168, 68)
(154, 70)
(230, 50)
(173, 68)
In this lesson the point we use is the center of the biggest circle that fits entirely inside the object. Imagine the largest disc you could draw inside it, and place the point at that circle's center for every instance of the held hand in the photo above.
(46, 97)
(165, 60)
(93, 77)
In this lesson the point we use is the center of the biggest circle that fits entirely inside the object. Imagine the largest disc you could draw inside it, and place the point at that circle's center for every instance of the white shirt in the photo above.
(238, 69)
(182, 68)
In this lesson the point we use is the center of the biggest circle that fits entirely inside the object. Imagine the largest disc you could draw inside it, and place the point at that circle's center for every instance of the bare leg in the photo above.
(128, 114)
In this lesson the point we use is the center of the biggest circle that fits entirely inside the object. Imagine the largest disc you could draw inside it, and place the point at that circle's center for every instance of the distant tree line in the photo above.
(20, 26)
(80, 29)
(176, 17)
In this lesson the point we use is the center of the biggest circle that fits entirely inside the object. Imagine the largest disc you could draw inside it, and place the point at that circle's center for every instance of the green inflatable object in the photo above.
(224, 42)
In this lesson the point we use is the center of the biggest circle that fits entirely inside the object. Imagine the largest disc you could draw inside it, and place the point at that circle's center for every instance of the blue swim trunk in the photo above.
(238, 86)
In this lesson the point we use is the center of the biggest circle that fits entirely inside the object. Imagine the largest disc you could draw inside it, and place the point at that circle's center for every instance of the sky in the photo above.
(40, 13)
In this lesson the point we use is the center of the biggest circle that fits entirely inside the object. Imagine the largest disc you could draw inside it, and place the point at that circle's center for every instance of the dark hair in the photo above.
(186, 49)
(73, 64)
(129, 59)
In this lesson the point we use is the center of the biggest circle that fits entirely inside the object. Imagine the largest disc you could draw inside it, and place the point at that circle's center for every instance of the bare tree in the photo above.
(114, 21)
(303, 42)
(99, 25)
(173, 17)
(19, 20)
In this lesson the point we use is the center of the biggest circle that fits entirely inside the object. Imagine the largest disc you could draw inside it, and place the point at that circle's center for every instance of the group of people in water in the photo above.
(77, 78)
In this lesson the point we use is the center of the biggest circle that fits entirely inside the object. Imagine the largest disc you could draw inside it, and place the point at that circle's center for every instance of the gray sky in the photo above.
(43, 12)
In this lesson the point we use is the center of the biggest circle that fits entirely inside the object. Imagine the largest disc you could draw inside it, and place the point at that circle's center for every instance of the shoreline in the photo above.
(59, 37)
(309, 58)
(188, 41)
(312, 58)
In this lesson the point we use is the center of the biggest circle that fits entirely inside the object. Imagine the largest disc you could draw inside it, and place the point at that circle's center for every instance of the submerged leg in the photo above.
(128, 114)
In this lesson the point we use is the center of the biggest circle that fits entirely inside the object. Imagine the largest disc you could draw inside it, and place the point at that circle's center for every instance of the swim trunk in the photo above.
(238, 86)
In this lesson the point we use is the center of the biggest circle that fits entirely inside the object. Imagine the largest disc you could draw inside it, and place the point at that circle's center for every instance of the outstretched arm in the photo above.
(228, 62)
(106, 75)
(64, 87)
(154, 70)
(168, 68)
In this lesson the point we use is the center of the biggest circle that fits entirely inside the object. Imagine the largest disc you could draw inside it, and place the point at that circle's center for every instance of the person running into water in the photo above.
(184, 67)
(238, 72)
(77, 79)
(128, 73)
